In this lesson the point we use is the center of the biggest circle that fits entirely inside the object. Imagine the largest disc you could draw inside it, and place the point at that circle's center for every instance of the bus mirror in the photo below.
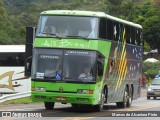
(100, 68)
(28, 66)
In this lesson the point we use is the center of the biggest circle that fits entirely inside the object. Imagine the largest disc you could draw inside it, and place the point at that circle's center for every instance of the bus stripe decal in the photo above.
(123, 73)
(122, 66)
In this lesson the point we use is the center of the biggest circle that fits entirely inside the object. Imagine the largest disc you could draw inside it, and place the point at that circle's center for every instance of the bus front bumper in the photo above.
(63, 97)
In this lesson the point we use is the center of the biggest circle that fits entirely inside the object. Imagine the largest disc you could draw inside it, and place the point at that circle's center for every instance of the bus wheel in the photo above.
(130, 98)
(125, 100)
(100, 106)
(49, 105)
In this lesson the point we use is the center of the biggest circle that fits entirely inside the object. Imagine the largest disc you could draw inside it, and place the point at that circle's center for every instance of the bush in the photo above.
(150, 70)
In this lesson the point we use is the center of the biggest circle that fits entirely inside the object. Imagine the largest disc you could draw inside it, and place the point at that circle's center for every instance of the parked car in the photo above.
(154, 51)
(154, 89)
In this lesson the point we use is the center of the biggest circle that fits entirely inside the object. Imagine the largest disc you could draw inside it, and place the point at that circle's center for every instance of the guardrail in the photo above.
(15, 96)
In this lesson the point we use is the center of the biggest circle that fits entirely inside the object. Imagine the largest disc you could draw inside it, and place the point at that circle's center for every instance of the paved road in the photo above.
(143, 92)
(66, 112)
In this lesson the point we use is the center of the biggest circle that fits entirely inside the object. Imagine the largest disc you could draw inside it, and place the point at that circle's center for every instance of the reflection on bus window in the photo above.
(69, 26)
(74, 62)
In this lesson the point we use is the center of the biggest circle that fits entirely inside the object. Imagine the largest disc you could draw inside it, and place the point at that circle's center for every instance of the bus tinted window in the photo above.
(68, 26)
(102, 29)
(138, 37)
(109, 29)
(11, 59)
(116, 31)
(128, 35)
(133, 36)
(141, 37)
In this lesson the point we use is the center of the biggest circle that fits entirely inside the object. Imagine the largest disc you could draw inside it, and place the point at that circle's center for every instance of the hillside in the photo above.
(17, 14)
(7, 31)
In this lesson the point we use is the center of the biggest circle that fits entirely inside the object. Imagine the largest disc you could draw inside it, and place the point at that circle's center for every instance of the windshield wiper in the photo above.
(54, 35)
(72, 36)
(47, 77)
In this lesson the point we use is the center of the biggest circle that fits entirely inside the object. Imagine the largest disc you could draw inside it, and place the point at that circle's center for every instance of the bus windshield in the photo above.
(68, 26)
(64, 65)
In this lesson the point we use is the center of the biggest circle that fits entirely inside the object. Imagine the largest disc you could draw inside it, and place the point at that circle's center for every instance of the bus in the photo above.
(12, 62)
(86, 58)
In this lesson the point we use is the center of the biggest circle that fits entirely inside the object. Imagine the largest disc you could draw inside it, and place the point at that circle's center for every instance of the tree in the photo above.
(114, 7)
(16, 15)
(147, 16)
(150, 69)
(6, 27)
(156, 4)
(120, 8)
(152, 31)
(146, 46)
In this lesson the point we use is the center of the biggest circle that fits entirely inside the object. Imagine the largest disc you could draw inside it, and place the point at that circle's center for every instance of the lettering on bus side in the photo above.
(64, 43)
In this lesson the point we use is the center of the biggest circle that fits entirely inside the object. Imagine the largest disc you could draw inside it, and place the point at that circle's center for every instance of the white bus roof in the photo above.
(89, 13)
(12, 48)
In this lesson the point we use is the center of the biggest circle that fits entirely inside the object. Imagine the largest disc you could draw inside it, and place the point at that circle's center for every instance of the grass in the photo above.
(26, 100)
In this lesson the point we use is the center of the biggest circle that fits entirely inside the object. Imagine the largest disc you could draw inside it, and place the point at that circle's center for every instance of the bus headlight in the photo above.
(84, 91)
(40, 89)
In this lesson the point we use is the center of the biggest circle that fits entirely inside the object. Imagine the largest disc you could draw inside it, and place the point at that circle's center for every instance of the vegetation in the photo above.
(150, 70)
(15, 15)
(7, 31)
(25, 100)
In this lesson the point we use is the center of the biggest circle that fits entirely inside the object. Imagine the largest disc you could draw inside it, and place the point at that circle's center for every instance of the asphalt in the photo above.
(143, 92)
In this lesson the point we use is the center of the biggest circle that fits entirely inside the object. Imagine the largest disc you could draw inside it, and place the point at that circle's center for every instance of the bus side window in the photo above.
(20, 60)
(141, 37)
(10, 61)
(133, 36)
(110, 30)
(138, 37)
(116, 31)
(100, 64)
(103, 29)
(128, 35)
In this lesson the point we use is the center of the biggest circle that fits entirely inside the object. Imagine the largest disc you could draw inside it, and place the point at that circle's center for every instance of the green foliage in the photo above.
(26, 100)
(150, 70)
(146, 47)
(152, 31)
(147, 16)
(8, 34)
(15, 15)
(115, 7)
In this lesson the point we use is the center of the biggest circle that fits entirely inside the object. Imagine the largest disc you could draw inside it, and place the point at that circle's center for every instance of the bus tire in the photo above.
(125, 101)
(130, 98)
(49, 105)
(100, 106)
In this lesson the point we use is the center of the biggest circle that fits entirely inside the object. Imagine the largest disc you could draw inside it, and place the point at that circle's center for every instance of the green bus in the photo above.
(86, 58)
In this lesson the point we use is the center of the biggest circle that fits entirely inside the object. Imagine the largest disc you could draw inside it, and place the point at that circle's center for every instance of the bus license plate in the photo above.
(61, 98)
